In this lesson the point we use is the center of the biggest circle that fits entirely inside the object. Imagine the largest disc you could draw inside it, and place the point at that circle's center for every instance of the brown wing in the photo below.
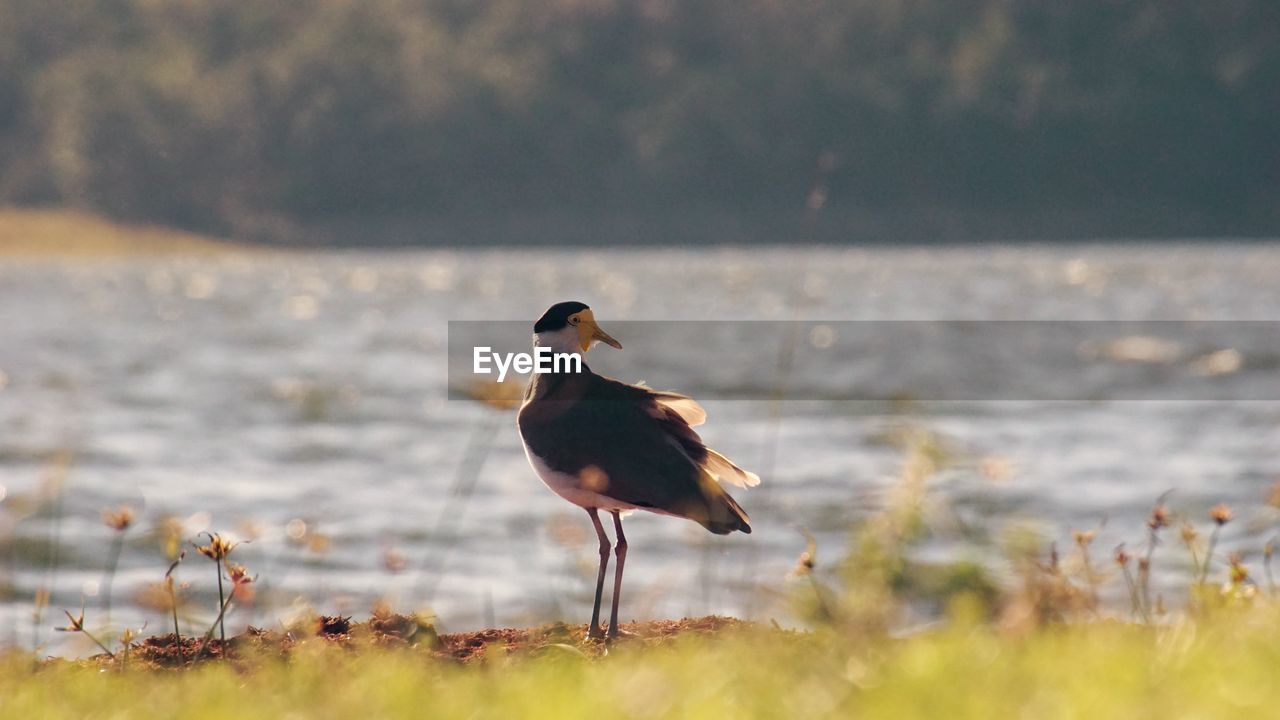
(632, 447)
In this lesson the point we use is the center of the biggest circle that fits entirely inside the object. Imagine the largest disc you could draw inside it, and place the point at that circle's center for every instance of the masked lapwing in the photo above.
(605, 445)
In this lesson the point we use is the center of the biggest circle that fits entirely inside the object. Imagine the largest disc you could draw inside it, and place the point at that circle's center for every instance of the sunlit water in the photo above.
(243, 393)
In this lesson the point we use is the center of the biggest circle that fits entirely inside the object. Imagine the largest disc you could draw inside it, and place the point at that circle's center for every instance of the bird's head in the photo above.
(570, 327)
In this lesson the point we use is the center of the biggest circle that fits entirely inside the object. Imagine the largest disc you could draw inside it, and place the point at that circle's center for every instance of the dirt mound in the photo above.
(167, 652)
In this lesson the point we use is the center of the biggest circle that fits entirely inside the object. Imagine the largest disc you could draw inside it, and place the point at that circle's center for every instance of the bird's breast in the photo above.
(576, 487)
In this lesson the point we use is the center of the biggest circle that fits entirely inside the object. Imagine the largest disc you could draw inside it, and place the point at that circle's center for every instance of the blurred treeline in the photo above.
(239, 116)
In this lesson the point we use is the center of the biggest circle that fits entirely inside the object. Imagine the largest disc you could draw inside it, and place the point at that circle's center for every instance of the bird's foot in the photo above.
(617, 633)
(595, 632)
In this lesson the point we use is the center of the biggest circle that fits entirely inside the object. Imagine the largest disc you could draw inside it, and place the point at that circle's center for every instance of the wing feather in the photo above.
(679, 414)
(725, 471)
(686, 407)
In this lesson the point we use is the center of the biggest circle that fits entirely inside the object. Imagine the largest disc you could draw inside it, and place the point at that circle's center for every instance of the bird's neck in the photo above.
(564, 340)
(557, 386)
(557, 383)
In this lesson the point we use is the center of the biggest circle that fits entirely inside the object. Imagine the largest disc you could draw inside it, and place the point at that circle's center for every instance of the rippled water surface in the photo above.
(246, 393)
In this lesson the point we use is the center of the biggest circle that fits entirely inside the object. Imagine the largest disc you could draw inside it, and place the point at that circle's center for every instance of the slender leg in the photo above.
(594, 631)
(621, 551)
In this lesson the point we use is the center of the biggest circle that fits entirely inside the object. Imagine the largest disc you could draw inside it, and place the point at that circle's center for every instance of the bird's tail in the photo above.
(724, 515)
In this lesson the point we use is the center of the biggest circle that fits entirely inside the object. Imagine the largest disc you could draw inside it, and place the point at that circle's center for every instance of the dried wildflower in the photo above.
(1144, 585)
(217, 550)
(1189, 533)
(1159, 517)
(238, 575)
(174, 565)
(174, 598)
(1239, 585)
(241, 583)
(808, 559)
(804, 564)
(118, 519)
(1122, 557)
(1239, 572)
(1220, 513)
(76, 624)
(1083, 539)
(218, 547)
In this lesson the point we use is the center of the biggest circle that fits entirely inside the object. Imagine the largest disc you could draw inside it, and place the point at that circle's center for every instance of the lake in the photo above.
(301, 402)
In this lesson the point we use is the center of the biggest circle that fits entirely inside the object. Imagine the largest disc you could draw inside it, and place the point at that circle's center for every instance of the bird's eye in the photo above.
(573, 320)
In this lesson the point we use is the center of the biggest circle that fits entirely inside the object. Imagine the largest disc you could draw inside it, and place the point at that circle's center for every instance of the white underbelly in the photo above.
(570, 487)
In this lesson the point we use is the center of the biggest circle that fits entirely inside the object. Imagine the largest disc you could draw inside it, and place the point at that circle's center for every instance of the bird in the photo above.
(603, 444)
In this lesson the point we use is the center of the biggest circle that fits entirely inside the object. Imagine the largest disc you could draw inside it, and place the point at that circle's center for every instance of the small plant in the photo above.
(1191, 538)
(119, 520)
(76, 624)
(240, 582)
(1083, 539)
(1239, 586)
(217, 550)
(1158, 520)
(173, 597)
(1221, 515)
(1122, 558)
(127, 637)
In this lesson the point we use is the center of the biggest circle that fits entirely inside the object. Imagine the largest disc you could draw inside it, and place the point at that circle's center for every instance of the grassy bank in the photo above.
(1040, 641)
(38, 233)
(1208, 667)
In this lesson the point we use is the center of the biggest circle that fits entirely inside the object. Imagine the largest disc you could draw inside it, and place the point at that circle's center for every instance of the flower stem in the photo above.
(222, 601)
(113, 559)
(173, 605)
(1208, 555)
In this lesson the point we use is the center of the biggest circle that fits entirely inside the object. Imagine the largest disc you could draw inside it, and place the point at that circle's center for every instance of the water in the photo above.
(245, 392)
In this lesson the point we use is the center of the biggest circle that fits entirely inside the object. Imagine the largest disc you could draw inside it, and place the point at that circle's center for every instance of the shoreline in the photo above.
(69, 233)
(66, 233)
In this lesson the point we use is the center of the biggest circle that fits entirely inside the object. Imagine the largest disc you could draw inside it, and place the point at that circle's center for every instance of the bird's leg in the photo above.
(594, 631)
(617, 572)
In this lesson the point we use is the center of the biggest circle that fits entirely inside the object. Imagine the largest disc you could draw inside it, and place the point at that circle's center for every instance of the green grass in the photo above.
(1039, 645)
(1216, 666)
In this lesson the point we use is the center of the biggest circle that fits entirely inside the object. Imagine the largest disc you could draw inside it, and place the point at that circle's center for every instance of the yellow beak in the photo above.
(589, 332)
